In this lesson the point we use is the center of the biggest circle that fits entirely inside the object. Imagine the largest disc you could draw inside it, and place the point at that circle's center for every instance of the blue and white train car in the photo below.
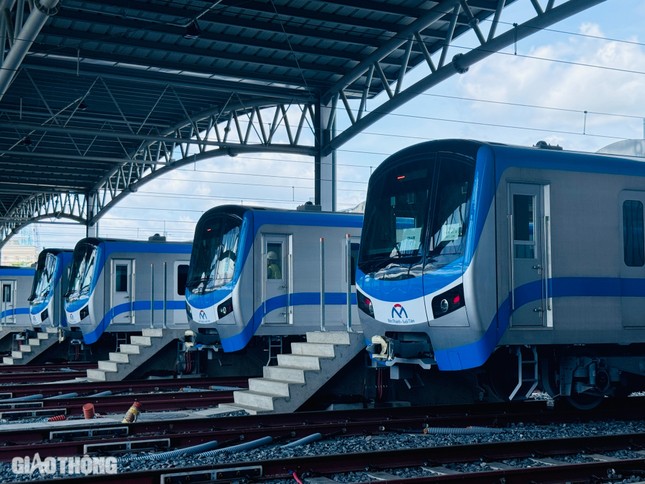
(15, 285)
(46, 302)
(257, 272)
(526, 265)
(125, 285)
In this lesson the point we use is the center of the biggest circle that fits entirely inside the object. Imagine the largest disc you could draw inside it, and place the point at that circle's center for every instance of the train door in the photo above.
(175, 314)
(632, 264)
(276, 273)
(528, 208)
(122, 291)
(8, 307)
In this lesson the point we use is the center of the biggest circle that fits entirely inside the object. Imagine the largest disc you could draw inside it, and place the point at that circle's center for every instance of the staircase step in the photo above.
(51, 330)
(42, 336)
(269, 387)
(333, 337)
(152, 332)
(108, 365)
(292, 375)
(16, 354)
(253, 399)
(323, 350)
(96, 375)
(7, 360)
(34, 341)
(25, 348)
(130, 349)
(141, 340)
(119, 357)
(236, 407)
(299, 361)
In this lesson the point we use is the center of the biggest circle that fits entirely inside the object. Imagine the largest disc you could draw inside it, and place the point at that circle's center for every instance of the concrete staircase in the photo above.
(33, 347)
(132, 355)
(299, 375)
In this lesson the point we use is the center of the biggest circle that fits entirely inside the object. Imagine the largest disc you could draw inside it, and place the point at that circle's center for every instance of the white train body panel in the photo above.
(125, 286)
(15, 286)
(232, 295)
(548, 250)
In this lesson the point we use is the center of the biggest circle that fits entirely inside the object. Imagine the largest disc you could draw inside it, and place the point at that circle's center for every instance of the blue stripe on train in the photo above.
(240, 340)
(475, 354)
(93, 336)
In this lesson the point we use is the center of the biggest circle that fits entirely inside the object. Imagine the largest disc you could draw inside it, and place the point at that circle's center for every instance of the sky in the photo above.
(579, 84)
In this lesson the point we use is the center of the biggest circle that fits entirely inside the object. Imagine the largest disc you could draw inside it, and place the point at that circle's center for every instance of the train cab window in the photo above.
(182, 278)
(274, 261)
(121, 278)
(633, 233)
(523, 226)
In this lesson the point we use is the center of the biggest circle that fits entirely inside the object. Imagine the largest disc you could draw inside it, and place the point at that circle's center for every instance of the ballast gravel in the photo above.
(356, 444)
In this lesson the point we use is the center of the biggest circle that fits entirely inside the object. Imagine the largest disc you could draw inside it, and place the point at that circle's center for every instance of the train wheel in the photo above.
(584, 401)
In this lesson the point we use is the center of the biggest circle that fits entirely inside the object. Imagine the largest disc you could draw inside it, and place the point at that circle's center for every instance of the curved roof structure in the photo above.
(98, 96)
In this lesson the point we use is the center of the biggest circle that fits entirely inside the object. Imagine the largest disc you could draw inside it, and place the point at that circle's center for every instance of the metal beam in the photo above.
(360, 120)
(24, 37)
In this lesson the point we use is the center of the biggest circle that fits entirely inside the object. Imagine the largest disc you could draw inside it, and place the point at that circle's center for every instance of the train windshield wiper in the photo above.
(200, 283)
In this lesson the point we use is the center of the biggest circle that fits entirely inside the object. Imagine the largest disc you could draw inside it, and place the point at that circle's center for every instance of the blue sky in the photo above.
(536, 90)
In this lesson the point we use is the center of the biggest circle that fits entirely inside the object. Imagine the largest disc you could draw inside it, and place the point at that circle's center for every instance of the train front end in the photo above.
(83, 291)
(212, 302)
(49, 285)
(423, 222)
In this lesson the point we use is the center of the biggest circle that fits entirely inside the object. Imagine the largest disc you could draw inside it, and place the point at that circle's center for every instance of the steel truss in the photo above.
(285, 124)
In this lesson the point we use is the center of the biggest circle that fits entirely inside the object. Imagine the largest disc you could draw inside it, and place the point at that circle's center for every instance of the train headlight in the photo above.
(365, 304)
(448, 302)
(444, 305)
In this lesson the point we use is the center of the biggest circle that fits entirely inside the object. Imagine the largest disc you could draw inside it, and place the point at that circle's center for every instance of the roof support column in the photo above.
(91, 226)
(325, 166)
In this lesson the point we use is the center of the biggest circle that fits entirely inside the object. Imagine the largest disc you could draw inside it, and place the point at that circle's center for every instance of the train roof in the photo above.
(17, 268)
(541, 155)
(100, 240)
(241, 210)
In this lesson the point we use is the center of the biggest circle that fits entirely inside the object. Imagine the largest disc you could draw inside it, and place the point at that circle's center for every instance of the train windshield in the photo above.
(83, 265)
(44, 277)
(416, 216)
(215, 247)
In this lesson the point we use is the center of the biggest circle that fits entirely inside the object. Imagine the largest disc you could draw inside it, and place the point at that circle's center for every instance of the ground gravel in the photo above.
(359, 444)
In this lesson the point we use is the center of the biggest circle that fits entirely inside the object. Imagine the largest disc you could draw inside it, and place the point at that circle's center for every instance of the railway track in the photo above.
(277, 430)
(545, 460)
(20, 374)
(56, 388)
(72, 405)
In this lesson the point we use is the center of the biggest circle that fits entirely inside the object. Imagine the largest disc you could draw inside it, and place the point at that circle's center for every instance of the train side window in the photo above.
(274, 261)
(6, 293)
(182, 278)
(121, 278)
(523, 226)
(633, 233)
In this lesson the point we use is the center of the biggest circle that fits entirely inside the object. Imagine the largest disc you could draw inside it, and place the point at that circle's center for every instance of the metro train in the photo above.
(15, 283)
(521, 267)
(46, 307)
(123, 286)
(257, 272)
